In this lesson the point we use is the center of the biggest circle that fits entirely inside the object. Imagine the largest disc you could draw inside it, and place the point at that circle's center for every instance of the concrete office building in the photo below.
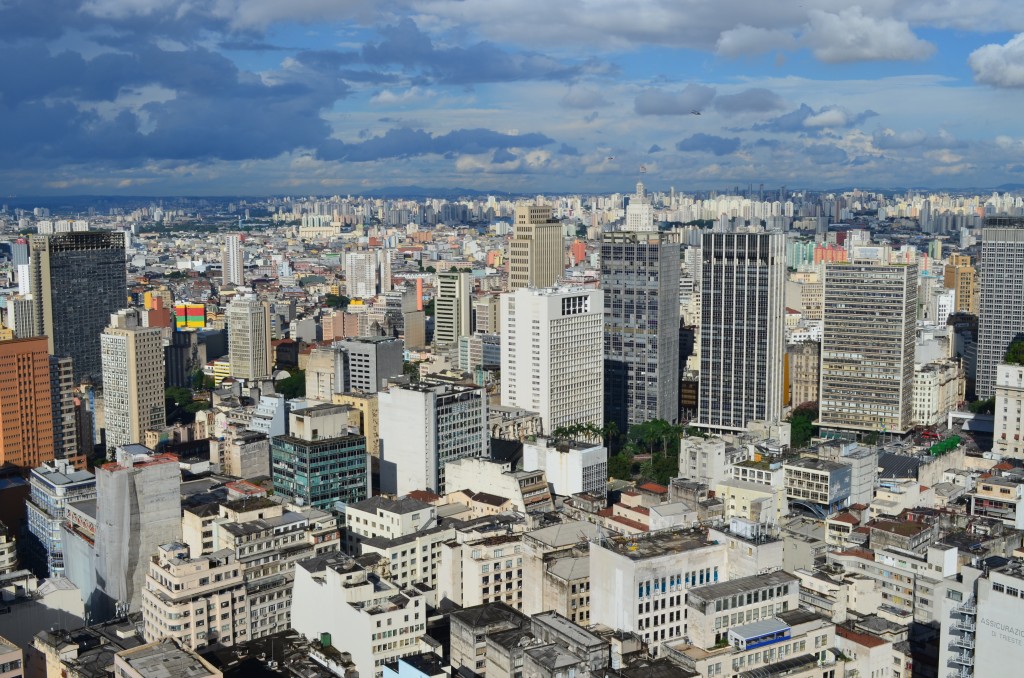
(320, 463)
(196, 601)
(368, 273)
(361, 364)
(552, 358)
(53, 487)
(452, 308)
(536, 253)
(78, 281)
(232, 261)
(425, 425)
(640, 279)
(375, 620)
(21, 316)
(1009, 409)
(640, 211)
(26, 407)
(1001, 313)
(133, 379)
(242, 454)
(742, 330)
(249, 352)
(639, 583)
(961, 277)
(68, 443)
(138, 508)
(867, 348)
(570, 467)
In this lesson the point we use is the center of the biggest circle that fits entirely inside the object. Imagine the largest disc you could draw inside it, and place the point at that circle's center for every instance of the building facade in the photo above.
(1001, 315)
(249, 351)
(452, 308)
(552, 354)
(867, 349)
(133, 378)
(26, 407)
(78, 280)
(742, 330)
(232, 261)
(536, 253)
(640, 279)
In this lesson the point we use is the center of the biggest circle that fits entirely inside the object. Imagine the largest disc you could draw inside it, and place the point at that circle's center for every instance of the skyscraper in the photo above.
(536, 253)
(248, 321)
(552, 358)
(367, 273)
(452, 316)
(640, 279)
(66, 443)
(133, 378)
(960, 276)
(26, 411)
(78, 280)
(867, 347)
(232, 260)
(1001, 316)
(742, 329)
(640, 211)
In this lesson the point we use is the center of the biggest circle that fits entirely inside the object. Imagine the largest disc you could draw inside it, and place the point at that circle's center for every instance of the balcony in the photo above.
(966, 607)
(965, 659)
(962, 673)
(962, 641)
(966, 625)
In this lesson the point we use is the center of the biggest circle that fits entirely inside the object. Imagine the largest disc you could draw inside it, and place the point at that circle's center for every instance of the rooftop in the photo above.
(164, 659)
(658, 543)
(401, 506)
(741, 585)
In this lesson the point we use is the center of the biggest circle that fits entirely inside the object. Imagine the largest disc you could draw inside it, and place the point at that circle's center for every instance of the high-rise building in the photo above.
(867, 347)
(53, 487)
(640, 280)
(320, 463)
(138, 508)
(133, 378)
(804, 367)
(640, 211)
(367, 273)
(363, 364)
(249, 351)
(452, 316)
(26, 407)
(423, 427)
(536, 253)
(961, 277)
(66, 443)
(1001, 314)
(742, 329)
(21, 316)
(78, 280)
(552, 355)
(1007, 430)
(232, 260)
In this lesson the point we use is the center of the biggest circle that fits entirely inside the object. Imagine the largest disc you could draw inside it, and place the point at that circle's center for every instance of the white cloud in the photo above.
(743, 40)
(851, 35)
(1000, 65)
(659, 102)
(389, 98)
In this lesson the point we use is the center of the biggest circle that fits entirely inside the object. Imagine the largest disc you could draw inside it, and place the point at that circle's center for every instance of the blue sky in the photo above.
(163, 97)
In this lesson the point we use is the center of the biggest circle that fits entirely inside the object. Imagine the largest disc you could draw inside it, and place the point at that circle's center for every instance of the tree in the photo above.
(620, 466)
(986, 406)
(1015, 353)
(293, 386)
(337, 301)
(411, 370)
(801, 423)
(180, 396)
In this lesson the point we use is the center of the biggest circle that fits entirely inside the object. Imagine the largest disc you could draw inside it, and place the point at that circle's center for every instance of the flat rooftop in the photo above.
(659, 543)
(742, 585)
(165, 660)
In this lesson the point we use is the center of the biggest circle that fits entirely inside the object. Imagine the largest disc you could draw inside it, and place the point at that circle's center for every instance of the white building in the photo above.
(1007, 438)
(452, 316)
(374, 620)
(232, 260)
(939, 388)
(425, 425)
(528, 489)
(639, 583)
(552, 354)
(571, 467)
(133, 378)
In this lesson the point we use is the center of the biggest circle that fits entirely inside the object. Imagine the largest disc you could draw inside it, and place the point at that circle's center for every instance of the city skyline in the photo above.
(168, 98)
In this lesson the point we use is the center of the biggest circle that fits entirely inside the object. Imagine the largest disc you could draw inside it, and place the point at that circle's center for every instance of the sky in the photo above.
(258, 97)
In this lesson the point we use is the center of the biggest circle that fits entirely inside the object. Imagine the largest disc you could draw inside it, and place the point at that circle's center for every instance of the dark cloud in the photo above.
(659, 102)
(566, 149)
(583, 98)
(709, 143)
(408, 143)
(825, 154)
(755, 100)
(767, 143)
(503, 155)
(807, 120)
(655, 148)
(405, 45)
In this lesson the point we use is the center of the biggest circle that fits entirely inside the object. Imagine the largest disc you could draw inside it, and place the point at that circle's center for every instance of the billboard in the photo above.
(189, 315)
